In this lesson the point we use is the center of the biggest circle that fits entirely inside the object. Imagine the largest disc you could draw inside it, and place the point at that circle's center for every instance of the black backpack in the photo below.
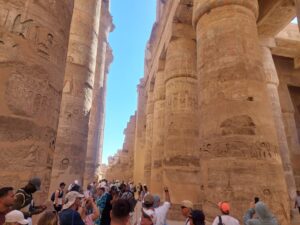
(220, 221)
(60, 195)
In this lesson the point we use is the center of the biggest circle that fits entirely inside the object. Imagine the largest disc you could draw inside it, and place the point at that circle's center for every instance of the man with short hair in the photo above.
(24, 200)
(7, 200)
(69, 214)
(120, 212)
(157, 214)
(59, 197)
(225, 218)
(186, 210)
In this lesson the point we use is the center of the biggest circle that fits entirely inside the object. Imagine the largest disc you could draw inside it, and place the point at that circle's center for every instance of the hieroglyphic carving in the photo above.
(242, 125)
(242, 149)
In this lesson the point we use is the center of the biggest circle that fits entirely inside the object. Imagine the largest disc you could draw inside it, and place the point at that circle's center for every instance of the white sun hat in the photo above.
(15, 216)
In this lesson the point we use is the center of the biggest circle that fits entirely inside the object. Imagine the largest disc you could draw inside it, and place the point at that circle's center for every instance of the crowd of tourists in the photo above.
(115, 203)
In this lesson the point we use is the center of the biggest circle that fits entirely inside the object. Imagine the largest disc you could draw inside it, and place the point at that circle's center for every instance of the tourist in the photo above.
(48, 218)
(186, 210)
(15, 217)
(88, 193)
(148, 217)
(126, 194)
(197, 217)
(264, 215)
(58, 197)
(225, 218)
(161, 210)
(104, 204)
(24, 200)
(69, 214)
(120, 212)
(297, 202)
(88, 206)
(7, 200)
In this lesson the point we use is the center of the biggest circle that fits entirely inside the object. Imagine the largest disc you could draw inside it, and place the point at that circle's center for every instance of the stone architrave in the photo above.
(238, 139)
(33, 48)
(272, 80)
(158, 133)
(181, 158)
(139, 147)
(70, 152)
(96, 125)
(149, 138)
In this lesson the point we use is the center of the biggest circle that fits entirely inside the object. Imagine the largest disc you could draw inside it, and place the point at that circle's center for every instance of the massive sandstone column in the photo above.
(33, 46)
(238, 139)
(181, 161)
(70, 152)
(148, 138)
(139, 147)
(158, 133)
(96, 124)
(272, 89)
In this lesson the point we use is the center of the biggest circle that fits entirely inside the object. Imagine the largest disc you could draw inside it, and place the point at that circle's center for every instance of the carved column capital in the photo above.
(202, 7)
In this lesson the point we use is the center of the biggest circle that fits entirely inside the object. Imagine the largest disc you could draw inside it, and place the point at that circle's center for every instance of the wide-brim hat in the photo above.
(16, 216)
(71, 198)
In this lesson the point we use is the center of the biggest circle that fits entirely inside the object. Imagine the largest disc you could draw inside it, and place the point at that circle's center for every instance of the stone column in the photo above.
(96, 125)
(272, 80)
(181, 161)
(238, 136)
(158, 133)
(139, 150)
(33, 47)
(149, 138)
(70, 152)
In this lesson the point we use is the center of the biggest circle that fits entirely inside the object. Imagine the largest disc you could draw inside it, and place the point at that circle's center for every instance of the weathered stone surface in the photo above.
(33, 47)
(232, 86)
(70, 154)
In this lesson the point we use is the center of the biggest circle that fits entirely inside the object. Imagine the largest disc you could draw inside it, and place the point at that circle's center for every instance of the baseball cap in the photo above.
(187, 204)
(71, 198)
(224, 207)
(15, 216)
(36, 182)
(148, 199)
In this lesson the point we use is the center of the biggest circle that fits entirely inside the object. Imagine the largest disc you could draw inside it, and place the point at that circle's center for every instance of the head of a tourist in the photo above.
(298, 193)
(263, 212)
(224, 208)
(33, 185)
(7, 198)
(48, 218)
(62, 186)
(73, 200)
(148, 201)
(100, 191)
(15, 217)
(186, 208)
(120, 212)
(197, 217)
(148, 217)
(156, 199)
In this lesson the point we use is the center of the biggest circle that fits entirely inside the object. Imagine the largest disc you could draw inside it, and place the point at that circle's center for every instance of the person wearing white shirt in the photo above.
(225, 218)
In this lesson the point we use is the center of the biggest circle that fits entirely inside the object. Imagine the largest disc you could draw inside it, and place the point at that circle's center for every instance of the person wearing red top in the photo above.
(7, 199)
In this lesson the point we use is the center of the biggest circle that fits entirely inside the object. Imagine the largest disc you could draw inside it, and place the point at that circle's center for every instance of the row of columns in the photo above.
(80, 121)
(216, 101)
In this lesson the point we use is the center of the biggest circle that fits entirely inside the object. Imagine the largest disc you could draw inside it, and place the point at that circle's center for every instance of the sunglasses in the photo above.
(182, 207)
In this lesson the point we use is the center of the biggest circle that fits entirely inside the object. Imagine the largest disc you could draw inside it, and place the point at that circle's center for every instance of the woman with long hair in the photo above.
(48, 218)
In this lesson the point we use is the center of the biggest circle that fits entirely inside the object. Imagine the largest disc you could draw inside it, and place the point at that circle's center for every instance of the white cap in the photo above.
(15, 216)
(71, 198)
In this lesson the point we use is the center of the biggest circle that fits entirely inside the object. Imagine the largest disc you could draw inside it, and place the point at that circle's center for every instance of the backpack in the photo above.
(220, 221)
(60, 195)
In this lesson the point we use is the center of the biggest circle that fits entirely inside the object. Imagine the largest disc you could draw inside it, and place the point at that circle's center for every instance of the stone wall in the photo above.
(49, 64)
(215, 121)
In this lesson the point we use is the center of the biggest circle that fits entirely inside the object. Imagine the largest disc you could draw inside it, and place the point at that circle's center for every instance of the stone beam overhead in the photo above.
(274, 15)
(287, 42)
